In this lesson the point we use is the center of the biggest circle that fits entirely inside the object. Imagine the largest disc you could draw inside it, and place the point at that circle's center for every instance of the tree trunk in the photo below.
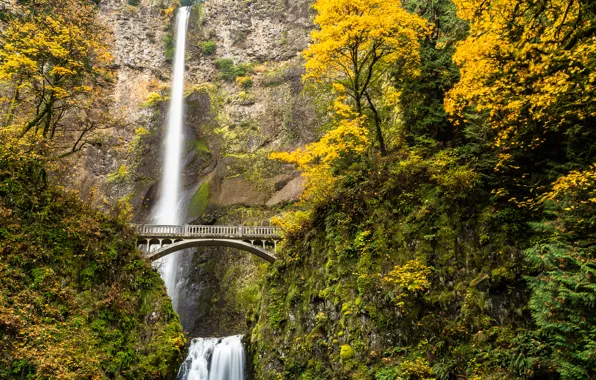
(379, 131)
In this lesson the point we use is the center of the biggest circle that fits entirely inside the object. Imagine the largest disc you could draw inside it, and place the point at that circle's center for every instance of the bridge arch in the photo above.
(206, 242)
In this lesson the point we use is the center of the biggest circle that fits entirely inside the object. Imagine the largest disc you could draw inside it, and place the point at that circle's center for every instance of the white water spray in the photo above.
(214, 359)
(168, 210)
(209, 358)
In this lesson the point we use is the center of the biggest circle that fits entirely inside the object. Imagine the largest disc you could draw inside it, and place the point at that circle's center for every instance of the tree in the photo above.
(55, 71)
(321, 161)
(564, 290)
(527, 72)
(358, 41)
(421, 109)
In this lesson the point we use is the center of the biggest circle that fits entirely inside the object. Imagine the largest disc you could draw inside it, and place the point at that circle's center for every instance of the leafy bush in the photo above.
(208, 47)
(245, 82)
(229, 71)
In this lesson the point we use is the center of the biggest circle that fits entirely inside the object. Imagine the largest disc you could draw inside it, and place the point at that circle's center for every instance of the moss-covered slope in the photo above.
(405, 274)
(76, 299)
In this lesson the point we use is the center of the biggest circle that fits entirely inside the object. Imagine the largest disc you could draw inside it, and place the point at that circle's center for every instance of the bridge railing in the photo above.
(148, 230)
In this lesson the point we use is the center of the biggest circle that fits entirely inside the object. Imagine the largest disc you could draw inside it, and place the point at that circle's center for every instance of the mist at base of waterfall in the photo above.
(214, 359)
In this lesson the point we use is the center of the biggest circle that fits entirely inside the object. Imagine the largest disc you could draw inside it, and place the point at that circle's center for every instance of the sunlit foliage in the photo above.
(55, 72)
(355, 45)
(320, 162)
(530, 68)
(468, 250)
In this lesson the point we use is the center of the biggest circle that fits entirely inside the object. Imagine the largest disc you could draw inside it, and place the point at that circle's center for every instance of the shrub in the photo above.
(245, 82)
(169, 47)
(228, 70)
(208, 47)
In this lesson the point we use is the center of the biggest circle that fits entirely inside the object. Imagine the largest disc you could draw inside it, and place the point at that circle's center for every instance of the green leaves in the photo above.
(562, 303)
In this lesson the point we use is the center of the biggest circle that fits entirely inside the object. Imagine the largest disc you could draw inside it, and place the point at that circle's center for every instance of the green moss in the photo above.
(276, 310)
(275, 77)
(201, 146)
(119, 176)
(169, 46)
(346, 352)
(200, 200)
(152, 99)
(83, 282)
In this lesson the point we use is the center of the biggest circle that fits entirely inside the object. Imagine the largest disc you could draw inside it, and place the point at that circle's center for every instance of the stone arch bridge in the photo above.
(157, 241)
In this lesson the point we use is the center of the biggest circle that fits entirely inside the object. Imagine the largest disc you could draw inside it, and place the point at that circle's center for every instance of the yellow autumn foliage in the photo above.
(579, 184)
(317, 160)
(356, 43)
(55, 65)
(406, 279)
(529, 66)
(356, 37)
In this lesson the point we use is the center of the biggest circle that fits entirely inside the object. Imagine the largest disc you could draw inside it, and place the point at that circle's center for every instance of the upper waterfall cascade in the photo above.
(209, 359)
(168, 209)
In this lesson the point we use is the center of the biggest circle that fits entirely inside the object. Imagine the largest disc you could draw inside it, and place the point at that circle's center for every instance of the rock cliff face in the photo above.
(244, 99)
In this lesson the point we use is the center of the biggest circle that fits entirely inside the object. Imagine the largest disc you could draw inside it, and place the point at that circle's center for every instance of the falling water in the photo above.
(208, 358)
(214, 359)
(168, 211)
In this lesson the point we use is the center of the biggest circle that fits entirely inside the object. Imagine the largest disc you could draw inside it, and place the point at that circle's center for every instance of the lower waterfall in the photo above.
(214, 359)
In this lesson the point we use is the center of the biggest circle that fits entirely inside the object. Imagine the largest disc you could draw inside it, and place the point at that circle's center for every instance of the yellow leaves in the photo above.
(292, 222)
(316, 160)
(169, 12)
(55, 60)
(522, 65)
(574, 184)
(141, 131)
(356, 35)
(58, 70)
(413, 276)
(406, 279)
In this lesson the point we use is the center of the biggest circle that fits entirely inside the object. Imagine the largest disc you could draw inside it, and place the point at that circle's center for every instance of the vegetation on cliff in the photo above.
(76, 299)
(465, 249)
(55, 72)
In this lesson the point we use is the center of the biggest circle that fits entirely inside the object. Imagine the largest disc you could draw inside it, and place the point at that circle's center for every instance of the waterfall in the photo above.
(208, 358)
(168, 210)
(214, 359)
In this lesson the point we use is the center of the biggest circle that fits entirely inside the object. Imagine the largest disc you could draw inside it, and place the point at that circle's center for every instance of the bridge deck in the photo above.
(200, 231)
